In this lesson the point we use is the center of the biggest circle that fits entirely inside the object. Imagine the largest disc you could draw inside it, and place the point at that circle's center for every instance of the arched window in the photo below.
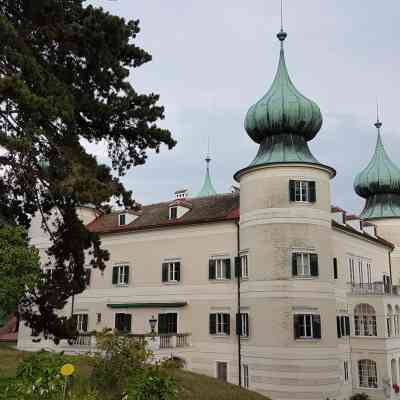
(367, 374)
(364, 320)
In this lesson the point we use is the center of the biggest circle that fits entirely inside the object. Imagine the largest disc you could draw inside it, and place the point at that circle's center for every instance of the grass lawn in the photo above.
(191, 386)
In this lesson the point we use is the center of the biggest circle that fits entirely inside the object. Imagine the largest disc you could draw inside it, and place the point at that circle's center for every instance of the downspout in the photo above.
(239, 275)
(390, 271)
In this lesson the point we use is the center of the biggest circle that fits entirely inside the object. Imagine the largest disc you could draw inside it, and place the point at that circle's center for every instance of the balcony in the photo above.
(86, 342)
(374, 289)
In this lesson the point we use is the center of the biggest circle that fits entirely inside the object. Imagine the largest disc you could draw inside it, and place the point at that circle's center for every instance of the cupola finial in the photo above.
(207, 188)
(378, 123)
(282, 35)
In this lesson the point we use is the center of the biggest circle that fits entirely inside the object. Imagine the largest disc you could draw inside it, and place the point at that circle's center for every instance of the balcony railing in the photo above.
(86, 341)
(374, 289)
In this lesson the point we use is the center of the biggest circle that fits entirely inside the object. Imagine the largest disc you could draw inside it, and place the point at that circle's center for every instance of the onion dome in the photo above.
(379, 184)
(207, 188)
(283, 109)
(283, 121)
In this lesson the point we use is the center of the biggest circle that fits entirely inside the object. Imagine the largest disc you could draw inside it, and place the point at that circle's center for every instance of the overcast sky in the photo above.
(213, 59)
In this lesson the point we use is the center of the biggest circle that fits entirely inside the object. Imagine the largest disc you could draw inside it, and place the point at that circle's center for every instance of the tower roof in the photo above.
(207, 188)
(379, 184)
(283, 109)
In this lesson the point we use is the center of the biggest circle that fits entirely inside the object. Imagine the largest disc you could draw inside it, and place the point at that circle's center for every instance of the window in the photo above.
(346, 371)
(121, 219)
(171, 271)
(304, 264)
(387, 283)
(123, 322)
(343, 325)
(245, 376)
(88, 273)
(98, 318)
(81, 322)
(167, 323)
(219, 269)
(173, 212)
(389, 321)
(220, 324)
(242, 324)
(120, 275)
(222, 371)
(307, 326)
(351, 268)
(335, 270)
(367, 374)
(364, 320)
(244, 264)
(302, 191)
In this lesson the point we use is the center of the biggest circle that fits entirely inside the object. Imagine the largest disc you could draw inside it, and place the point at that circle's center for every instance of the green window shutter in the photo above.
(211, 269)
(85, 322)
(238, 267)
(292, 190)
(227, 324)
(316, 321)
(335, 270)
(165, 272)
(314, 264)
(162, 324)
(294, 264)
(343, 325)
(178, 271)
(115, 276)
(128, 323)
(339, 335)
(347, 320)
(311, 188)
(228, 268)
(118, 322)
(238, 324)
(297, 325)
(213, 324)
(126, 274)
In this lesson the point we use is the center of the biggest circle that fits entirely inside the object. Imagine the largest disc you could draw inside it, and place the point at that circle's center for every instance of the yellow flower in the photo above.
(67, 370)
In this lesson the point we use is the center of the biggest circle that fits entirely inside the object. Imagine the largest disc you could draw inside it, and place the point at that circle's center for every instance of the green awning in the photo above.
(147, 305)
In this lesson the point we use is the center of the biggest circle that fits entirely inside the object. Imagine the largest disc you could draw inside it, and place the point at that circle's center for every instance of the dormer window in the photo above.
(122, 219)
(173, 212)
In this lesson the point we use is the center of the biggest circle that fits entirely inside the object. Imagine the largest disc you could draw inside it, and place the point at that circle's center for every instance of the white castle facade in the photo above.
(315, 312)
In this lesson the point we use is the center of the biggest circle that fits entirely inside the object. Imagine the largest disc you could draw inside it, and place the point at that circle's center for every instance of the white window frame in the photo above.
(244, 324)
(220, 323)
(307, 320)
(244, 265)
(304, 267)
(80, 320)
(120, 216)
(172, 271)
(122, 273)
(365, 378)
(220, 268)
(301, 191)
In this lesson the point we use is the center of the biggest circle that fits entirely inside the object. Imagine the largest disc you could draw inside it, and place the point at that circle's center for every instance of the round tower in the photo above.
(379, 185)
(285, 230)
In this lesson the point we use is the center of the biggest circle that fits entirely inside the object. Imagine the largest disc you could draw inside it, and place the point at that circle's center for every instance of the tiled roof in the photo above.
(221, 207)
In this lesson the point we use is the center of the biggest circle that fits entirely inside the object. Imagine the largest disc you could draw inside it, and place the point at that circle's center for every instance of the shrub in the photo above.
(152, 384)
(360, 396)
(173, 363)
(119, 358)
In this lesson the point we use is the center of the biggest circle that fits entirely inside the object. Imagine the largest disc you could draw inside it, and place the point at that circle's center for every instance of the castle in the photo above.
(270, 285)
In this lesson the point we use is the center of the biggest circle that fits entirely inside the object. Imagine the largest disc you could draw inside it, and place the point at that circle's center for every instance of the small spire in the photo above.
(282, 35)
(378, 123)
(207, 188)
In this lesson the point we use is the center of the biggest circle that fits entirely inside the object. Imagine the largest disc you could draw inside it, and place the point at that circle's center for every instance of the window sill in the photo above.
(307, 339)
(302, 203)
(225, 280)
(244, 337)
(219, 335)
(121, 285)
(171, 283)
(305, 277)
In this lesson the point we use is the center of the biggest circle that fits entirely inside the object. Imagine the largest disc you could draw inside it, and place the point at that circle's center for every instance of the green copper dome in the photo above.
(379, 184)
(207, 188)
(283, 109)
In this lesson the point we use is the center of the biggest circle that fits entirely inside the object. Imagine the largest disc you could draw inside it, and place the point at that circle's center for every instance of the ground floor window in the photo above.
(307, 326)
(220, 324)
(242, 324)
(222, 371)
(123, 322)
(367, 374)
(81, 322)
(245, 376)
(167, 323)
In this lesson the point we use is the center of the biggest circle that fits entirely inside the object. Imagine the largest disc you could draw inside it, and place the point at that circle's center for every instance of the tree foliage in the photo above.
(19, 267)
(64, 71)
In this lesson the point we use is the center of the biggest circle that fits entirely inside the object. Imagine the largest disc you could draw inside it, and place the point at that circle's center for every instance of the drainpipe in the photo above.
(390, 271)
(239, 275)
